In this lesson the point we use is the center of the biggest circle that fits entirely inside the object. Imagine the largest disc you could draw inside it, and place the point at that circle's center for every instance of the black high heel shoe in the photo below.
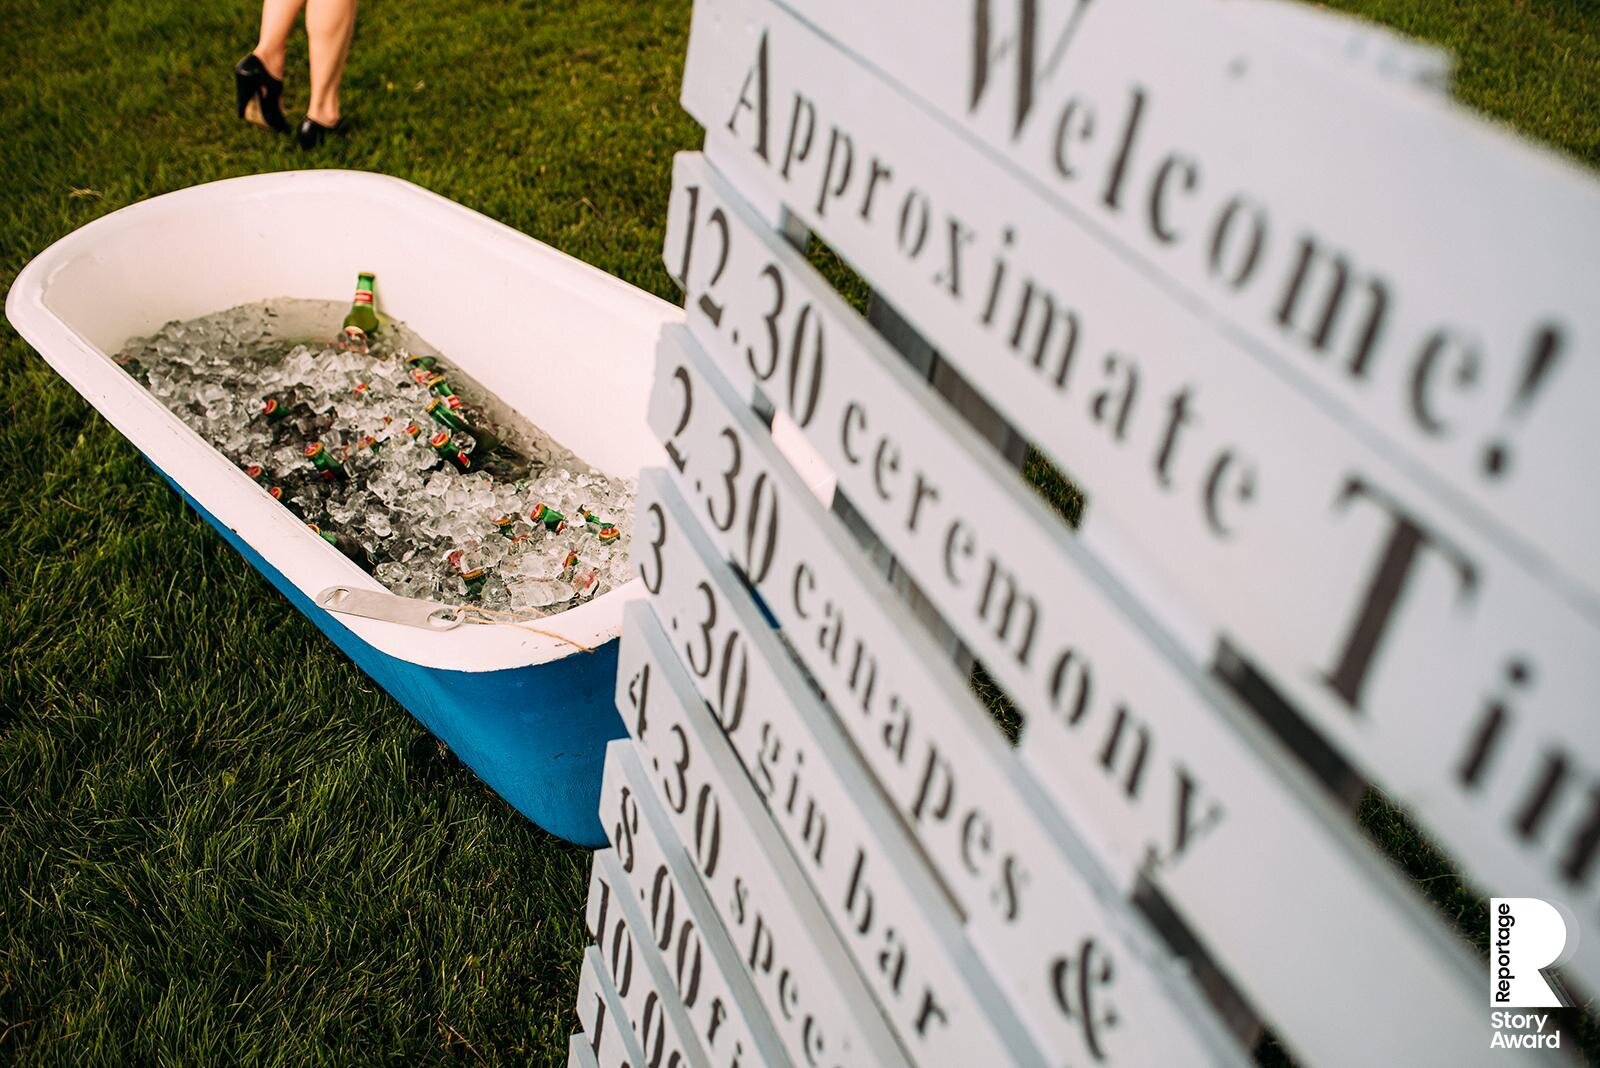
(260, 95)
(312, 133)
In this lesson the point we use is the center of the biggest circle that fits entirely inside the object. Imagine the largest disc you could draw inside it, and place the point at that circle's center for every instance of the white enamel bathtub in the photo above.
(529, 713)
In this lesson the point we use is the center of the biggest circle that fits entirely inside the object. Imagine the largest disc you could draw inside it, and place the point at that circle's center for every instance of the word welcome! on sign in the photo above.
(1312, 432)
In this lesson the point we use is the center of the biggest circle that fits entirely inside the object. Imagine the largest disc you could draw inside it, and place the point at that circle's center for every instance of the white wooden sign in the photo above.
(1399, 60)
(857, 851)
(650, 1000)
(1325, 410)
(802, 971)
(705, 967)
(1399, 602)
(925, 738)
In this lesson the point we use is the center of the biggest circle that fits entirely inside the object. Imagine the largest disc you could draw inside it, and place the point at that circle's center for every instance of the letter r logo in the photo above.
(1526, 936)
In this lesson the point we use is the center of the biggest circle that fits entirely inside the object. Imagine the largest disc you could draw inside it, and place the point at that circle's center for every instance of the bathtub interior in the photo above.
(565, 344)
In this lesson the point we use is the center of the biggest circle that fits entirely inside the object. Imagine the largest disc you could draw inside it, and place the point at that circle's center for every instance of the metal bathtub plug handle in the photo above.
(408, 611)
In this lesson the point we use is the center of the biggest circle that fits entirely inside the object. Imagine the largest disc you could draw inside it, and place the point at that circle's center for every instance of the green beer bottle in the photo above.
(569, 566)
(447, 417)
(547, 517)
(471, 572)
(352, 549)
(324, 461)
(434, 383)
(363, 317)
(603, 529)
(287, 406)
(449, 452)
(276, 409)
(421, 362)
(451, 418)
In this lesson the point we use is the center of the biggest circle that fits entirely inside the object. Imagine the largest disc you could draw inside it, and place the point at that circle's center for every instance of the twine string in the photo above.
(513, 619)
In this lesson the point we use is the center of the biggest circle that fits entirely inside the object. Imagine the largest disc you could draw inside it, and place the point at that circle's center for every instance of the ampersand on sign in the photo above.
(1079, 981)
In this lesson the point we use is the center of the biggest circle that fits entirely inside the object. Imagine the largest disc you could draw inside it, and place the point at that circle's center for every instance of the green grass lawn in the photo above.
(218, 840)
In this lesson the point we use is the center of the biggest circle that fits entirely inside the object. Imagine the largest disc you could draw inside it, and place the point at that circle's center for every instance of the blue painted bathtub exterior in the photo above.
(537, 735)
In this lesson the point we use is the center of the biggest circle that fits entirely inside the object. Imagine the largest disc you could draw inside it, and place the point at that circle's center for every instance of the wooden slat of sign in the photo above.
(855, 849)
(579, 1055)
(1444, 306)
(604, 1023)
(1366, 46)
(767, 204)
(799, 966)
(1356, 590)
(1227, 808)
(711, 980)
(625, 938)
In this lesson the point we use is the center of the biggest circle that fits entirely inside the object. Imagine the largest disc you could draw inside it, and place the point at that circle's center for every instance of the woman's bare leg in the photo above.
(329, 25)
(277, 20)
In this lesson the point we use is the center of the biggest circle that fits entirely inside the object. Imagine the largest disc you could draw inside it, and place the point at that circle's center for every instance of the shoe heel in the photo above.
(250, 111)
(257, 94)
(312, 133)
(244, 88)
